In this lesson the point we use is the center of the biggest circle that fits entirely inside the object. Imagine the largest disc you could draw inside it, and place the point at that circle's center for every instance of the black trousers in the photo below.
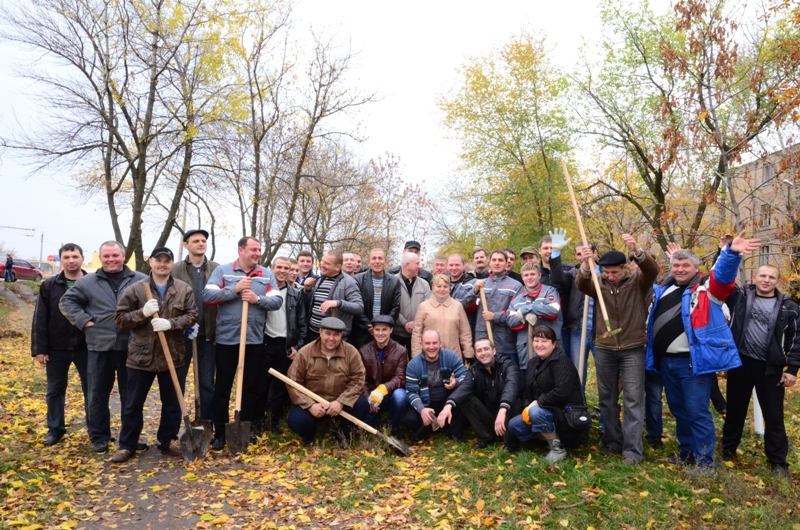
(412, 421)
(273, 399)
(227, 358)
(481, 419)
(139, 383)
(57, 369)
(741, 381)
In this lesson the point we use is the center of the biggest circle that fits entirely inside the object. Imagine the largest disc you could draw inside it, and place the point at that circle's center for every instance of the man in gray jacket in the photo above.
(90, 306)
(332, 291)
(413, 291)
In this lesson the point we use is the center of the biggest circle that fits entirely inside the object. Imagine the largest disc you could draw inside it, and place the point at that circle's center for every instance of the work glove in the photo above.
(377, 395)
(526, 414)
(191, 333)
(524, 314)
(559, 238)
(150, 308)
(160, 324)
(468, 362)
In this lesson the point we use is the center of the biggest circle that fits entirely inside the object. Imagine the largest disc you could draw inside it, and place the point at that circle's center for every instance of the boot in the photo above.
(557, 451)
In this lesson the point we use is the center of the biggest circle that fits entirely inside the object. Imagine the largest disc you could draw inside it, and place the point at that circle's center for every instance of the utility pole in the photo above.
(41, 249)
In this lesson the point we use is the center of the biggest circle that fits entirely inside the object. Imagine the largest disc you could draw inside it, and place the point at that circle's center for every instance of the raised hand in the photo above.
(740, 245)
(630, 241)
(672, 248)
(559, 238)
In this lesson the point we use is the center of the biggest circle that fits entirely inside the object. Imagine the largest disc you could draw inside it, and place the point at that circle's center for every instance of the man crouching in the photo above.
(173, 300)
(333, 370)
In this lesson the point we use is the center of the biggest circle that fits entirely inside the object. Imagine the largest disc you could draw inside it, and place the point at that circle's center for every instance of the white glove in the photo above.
(150, 308)
(161, 324)
(192, 332)
(518, 315)
(559, 238)
(531, 319)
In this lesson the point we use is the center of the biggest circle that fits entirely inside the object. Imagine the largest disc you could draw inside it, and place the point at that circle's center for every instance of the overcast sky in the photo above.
(407, 51)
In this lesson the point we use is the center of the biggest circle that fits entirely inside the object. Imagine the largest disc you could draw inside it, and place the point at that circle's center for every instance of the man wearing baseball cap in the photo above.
(173, 300)
(196, 270)
(333, 370)
(414, 246)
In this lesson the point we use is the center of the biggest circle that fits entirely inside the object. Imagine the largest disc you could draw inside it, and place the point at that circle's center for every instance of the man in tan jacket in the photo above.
(333, 370)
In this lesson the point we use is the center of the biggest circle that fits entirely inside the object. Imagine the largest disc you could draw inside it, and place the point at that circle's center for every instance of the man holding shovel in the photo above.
(174, 301)
(621, 347)
(231, 285)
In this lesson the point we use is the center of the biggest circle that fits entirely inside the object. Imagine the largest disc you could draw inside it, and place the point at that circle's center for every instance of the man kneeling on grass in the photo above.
(488, 397)
(173, 300)
(333, 370)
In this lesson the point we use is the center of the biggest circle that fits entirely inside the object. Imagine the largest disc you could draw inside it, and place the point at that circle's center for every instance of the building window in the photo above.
(763, 258)
(766, 215)
(766, 173)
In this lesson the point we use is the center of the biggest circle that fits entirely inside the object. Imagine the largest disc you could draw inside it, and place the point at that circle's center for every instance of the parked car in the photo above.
(48, 269)
(22, 271)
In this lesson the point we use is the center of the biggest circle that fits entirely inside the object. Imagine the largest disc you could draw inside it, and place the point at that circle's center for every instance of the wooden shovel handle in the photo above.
(486, 308)
(585, 242)
(303, 390)
(240, 365)
(168, 355)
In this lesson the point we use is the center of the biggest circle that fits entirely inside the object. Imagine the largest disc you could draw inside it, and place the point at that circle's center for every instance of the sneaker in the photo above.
(218, 444)
(780, 471)
(52, 439)
(557, 451)
(123, 455)
(701, 471)
(100, 447)
(173, 449)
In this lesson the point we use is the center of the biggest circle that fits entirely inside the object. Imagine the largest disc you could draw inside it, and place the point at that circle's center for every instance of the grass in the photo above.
(443, 485)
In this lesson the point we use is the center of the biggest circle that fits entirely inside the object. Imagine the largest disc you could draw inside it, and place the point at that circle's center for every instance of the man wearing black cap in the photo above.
(196, 270)
(385, 362)
(621, 356)
(174, 302)
(413, 247)
(333, 370)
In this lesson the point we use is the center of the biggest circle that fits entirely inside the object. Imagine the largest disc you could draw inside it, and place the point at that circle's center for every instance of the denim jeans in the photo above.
(102, 367)
(57, 369)
(206, 368)
(302, 422)
(395, 404)
(653, 423)
(7, 275)
(575, 346)
(542, 421)
(689, 399)
(139, 383)
(627, 366)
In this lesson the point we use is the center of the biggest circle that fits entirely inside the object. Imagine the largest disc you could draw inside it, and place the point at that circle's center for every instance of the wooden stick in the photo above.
(240, 365)
(586, 243)
(488, 323)
(584, 332)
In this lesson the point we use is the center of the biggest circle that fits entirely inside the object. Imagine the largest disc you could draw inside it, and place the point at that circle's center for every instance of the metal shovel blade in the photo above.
(207, 426)
(237, 435)
(434, 422)
(402, 448)
(194, 444)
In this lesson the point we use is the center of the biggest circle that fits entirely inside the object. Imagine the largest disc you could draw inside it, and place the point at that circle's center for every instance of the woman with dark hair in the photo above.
(551, 386)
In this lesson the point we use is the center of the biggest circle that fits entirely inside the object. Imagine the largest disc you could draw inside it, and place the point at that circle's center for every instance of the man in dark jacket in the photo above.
(196, 270)
(332, 291)
(284, 334)
(385, 362)
(380, 293)
(90, 306)
(764, 322)
(489, 396)
(174, 303)
(8, 274)
(56, 344)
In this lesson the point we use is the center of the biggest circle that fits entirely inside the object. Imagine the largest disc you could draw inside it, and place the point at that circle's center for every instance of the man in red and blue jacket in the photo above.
(689, 341)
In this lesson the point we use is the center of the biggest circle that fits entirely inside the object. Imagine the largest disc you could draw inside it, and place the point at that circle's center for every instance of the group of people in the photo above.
(492, 350)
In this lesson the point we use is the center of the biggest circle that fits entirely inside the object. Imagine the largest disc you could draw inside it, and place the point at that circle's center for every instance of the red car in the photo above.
(22, 270)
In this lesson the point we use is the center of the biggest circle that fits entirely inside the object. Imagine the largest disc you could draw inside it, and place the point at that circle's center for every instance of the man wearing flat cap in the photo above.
(196, 270)
(332, 369)
(621, 357)
(385, 362)
(174, 303)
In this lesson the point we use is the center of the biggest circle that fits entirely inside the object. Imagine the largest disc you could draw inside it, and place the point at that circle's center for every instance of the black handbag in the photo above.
(577, 417)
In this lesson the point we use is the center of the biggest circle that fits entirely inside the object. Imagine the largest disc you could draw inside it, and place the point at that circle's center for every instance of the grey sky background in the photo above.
(407, 51)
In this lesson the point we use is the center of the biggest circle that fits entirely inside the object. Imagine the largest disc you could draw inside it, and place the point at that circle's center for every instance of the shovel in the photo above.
(198, 422)
(237, 434)
(391, 440)
(591, 261)
(194, 443)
